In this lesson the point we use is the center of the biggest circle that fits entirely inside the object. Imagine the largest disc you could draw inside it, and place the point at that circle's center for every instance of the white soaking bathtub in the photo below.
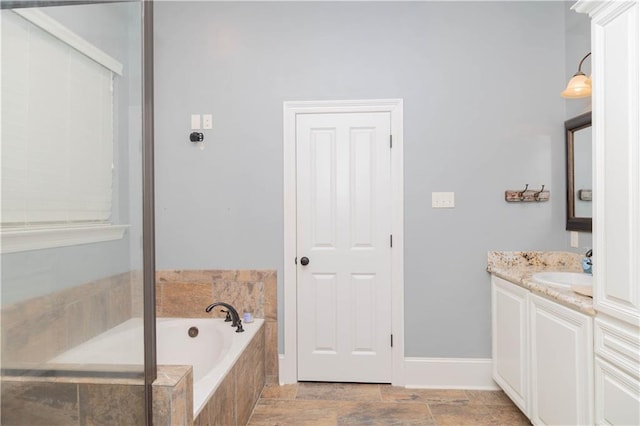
(212, 353)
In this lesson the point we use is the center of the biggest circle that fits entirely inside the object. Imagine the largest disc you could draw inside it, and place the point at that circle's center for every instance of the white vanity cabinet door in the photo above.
(510, 347)
(561, 364)
(617, 395)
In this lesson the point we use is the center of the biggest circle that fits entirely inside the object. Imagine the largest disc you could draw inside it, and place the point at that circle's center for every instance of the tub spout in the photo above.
(235, 318)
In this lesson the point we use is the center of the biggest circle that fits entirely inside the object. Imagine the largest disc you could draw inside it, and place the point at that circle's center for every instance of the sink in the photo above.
(569, 280)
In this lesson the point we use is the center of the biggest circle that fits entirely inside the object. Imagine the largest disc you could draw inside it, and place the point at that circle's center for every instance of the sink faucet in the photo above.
(587, 263)
(237, 322)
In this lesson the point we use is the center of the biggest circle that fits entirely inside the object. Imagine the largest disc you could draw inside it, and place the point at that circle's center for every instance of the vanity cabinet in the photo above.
(561, 364)
(542, 355)
(510, 342)
(615, 46)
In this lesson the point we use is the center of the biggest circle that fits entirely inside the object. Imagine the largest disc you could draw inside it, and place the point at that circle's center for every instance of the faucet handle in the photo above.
(228, 317)
(587, 263)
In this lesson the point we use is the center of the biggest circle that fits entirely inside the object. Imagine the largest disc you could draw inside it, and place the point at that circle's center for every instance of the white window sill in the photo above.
(43, 238)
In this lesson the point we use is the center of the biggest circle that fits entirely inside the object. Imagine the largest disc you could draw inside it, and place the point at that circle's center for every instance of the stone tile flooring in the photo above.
(328, 404)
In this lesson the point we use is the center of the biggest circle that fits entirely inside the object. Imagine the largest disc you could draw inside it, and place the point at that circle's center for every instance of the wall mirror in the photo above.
(579, 173)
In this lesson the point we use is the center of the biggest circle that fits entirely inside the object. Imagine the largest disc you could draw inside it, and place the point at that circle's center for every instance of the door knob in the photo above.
(304, 261)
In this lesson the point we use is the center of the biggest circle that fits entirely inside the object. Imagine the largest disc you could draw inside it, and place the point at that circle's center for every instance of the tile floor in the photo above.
(328, 404)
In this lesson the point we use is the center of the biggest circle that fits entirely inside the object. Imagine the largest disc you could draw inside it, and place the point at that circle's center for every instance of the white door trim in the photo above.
(289, 363)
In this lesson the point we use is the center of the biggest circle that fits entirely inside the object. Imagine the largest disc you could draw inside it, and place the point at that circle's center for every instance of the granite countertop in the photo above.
(518, 267)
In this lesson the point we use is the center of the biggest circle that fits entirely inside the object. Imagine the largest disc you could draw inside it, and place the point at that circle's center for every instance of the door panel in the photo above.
(510, 340)
(343, 227)
(323, 187)
(561, 364)
(363, 288)
(326, 339)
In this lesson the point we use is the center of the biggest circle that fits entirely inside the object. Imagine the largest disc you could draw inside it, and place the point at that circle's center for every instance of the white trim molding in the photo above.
(449, 373)
(13, 241)
(594, 7)
(435, 373)
(56, 29)
(289, 363)
(282, 364)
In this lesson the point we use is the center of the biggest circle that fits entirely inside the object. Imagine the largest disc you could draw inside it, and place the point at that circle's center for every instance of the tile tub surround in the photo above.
(119, 401)
(518, 267)
(235, 398)
(173, 396)
(36, 330)
(185, 293)
(71, 401)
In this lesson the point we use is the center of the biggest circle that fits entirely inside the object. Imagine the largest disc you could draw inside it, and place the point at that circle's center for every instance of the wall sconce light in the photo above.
(580, 85)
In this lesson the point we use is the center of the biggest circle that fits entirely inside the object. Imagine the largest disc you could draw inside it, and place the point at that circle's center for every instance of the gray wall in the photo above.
(583, 173)
(480, 83)
(577, 44)
(115, 29)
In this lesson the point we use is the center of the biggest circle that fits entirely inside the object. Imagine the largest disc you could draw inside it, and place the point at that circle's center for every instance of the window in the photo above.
(57, 129)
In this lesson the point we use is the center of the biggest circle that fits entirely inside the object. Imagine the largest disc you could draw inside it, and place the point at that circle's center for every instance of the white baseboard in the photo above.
(288, 373)
(449, 373)
(429, 373)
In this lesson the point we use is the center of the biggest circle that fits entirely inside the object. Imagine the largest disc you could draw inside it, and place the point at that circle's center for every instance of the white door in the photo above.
(343, 230)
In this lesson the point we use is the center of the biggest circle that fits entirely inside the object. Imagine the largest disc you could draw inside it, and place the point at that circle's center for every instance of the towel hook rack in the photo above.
(526, 195)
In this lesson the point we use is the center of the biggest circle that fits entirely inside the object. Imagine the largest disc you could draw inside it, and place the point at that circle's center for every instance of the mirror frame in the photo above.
(572, 125)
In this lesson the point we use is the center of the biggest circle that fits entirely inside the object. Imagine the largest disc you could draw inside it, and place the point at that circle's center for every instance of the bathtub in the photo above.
(212, 353)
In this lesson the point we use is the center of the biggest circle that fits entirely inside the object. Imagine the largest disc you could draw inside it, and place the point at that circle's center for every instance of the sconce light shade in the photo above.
(580, 85)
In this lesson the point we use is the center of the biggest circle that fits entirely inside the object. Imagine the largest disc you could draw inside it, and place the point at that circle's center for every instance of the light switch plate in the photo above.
(207, 121)
(442, 200)
(195, 121)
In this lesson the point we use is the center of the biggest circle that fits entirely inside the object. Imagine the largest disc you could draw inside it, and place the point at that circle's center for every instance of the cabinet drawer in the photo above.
(618, 343)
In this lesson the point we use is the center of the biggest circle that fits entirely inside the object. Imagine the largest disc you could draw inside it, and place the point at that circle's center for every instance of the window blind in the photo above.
(57, 130)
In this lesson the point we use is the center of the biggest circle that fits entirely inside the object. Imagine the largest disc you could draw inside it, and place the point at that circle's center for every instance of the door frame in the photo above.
(288, 368)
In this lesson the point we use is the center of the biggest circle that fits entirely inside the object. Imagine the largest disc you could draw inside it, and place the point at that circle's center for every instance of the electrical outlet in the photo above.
(207, 121)
(575, 241)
